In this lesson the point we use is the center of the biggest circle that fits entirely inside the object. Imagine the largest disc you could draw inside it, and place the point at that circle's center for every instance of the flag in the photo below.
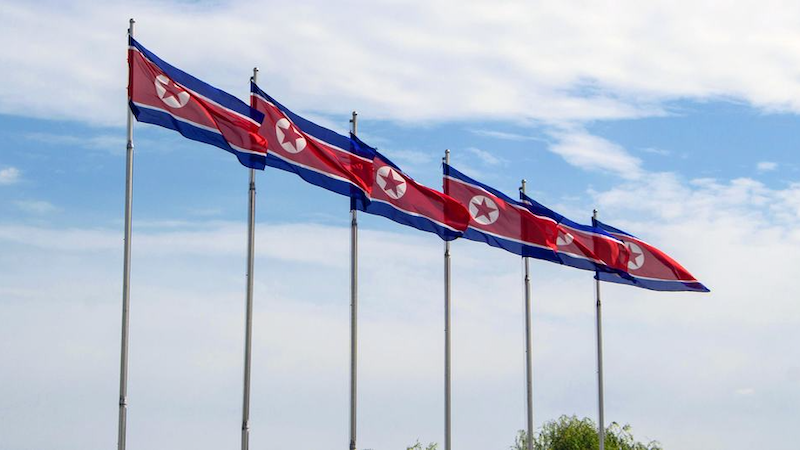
(161, 94)
(582, 246)
(500, 221)
(649, 267)
(398, 197)
(318, 155)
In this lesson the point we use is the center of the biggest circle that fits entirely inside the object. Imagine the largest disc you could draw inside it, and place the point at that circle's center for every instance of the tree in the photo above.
(418, 446)
(571, 433)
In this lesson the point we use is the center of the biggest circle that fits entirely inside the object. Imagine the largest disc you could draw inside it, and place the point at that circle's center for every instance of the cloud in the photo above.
(589, 152)
(412, 157)
(766, 166)
(657, 151)
(114, 144)
(10, 175)
(187, 302)
(422, 62)
(503, 135)
(486, 157)
(36, 206)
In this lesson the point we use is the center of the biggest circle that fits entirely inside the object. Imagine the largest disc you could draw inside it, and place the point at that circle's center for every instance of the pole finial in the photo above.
(354, 121)
(594, 213)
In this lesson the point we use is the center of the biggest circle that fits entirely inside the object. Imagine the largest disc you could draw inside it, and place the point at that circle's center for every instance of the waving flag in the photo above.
(318, 155)
(649, 267)
(501, 222)
(583, 246)
(160, 94)
(398, 197)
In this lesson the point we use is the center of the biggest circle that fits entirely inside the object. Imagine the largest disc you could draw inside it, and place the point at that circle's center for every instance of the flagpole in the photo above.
(248, 333)
(126, 277)
(528, 345)
(353, 307)
(601, 427)
(447, 438)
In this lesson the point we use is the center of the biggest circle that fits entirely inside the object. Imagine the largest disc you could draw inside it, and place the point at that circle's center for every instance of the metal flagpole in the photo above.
(248, 334)
(528, 345)
(126, 278)
(601, 426)
(353, 307)
(447, 439)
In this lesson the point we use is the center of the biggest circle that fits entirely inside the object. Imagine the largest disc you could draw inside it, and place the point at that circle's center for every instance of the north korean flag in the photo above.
(161, 94)
(583, 246)
(318, 155)
(500, 221)
(649, 267)
(398, 197)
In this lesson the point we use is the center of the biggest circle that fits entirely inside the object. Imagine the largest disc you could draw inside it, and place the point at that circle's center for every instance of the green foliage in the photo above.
(571, 433)
(418, 446)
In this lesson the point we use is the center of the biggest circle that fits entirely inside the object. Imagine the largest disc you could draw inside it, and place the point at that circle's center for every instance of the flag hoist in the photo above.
(447, 437)
(645, 267)
(353, 307)
(126, 274)
(163, 95)
(248, 333)
(528, 342)
(601, 427)
(324, 158)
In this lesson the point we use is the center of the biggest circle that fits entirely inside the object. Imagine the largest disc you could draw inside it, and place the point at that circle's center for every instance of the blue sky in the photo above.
(676, 120)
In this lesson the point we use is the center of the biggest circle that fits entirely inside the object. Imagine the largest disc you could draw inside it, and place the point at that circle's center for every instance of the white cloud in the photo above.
(766, 166)
(486, 157)
(114, 144)
(590, 152)
(421, 62)
(36, 206)
(412, 157)
(187, 304)
(657, 151)
(503, 135)
(9, 175)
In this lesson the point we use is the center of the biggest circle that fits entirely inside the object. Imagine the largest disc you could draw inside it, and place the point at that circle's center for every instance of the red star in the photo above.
(484, 210)
(291, 136)
(172, 90)
(392, 182)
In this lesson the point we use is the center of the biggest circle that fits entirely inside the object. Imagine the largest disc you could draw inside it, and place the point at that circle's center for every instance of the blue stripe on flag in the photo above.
(385, 209)
(511, 246)
(610, 229)
(654, 285)
(161, 118)
(317, 178)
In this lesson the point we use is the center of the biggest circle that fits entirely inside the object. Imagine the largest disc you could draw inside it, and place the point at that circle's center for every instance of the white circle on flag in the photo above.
(170, 93)
(564, 238)
(289, 138)
(483, 210)
(636, 260)
(391, 182)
